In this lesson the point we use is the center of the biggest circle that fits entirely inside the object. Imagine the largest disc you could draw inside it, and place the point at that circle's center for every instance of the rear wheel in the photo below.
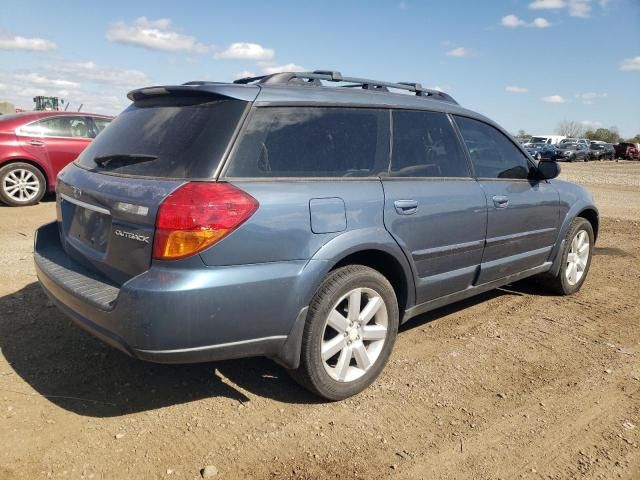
(349, 334)
(575, 261)
(21, 184)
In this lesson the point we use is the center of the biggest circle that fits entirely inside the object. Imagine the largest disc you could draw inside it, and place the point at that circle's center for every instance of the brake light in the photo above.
(197, 215)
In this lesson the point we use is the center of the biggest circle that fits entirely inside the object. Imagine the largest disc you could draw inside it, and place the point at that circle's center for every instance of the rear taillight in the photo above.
(197, 215)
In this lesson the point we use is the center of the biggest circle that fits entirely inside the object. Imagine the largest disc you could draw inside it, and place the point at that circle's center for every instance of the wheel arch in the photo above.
(376, 248)
(387, 265)
(592, 217)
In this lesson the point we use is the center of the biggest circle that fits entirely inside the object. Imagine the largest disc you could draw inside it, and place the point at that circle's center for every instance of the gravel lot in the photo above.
(511, 384)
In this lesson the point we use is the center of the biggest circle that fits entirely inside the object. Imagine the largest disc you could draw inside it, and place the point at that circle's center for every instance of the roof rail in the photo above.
(318, 76)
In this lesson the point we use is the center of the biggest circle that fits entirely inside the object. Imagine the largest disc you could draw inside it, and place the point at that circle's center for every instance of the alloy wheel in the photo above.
(354, 334)
(21, 185)
(577, 258)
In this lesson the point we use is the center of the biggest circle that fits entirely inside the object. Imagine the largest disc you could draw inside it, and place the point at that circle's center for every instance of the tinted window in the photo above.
(425, 145)
(187, 135)
(313, 142)
(63, 126)
(492, 153)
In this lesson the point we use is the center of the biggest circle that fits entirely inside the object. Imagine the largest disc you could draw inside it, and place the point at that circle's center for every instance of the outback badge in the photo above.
(132, 236)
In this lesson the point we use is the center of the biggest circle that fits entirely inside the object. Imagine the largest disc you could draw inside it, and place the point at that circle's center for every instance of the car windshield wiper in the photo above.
(104, 160)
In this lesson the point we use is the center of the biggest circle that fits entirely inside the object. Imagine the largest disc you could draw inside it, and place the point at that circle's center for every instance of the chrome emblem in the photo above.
(132, 236)
(77, 193)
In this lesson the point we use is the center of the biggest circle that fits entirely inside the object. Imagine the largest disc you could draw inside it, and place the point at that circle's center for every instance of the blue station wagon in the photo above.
(302, 217)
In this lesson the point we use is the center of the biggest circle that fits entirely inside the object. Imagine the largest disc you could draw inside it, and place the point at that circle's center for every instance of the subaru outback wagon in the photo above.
(301, 217)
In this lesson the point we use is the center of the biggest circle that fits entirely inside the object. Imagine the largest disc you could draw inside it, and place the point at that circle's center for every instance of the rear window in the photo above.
(188, 137)
(313, 142)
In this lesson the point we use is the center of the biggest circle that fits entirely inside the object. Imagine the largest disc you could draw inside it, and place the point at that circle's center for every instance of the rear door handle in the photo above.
(36, 143)
(500, 201)
(406, 207)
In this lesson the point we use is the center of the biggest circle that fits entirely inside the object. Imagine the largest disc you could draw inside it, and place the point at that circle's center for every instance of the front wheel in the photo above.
(21, 184)
(575, 260)
(350, 331)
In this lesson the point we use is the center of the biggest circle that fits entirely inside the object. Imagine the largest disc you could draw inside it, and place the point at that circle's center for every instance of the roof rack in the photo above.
(316, 78)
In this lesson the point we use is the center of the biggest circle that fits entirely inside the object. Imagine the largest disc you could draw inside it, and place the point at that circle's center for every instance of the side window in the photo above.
(101, 123)
(492, 153)
(72, 127)
(313, 142)
(425, 145)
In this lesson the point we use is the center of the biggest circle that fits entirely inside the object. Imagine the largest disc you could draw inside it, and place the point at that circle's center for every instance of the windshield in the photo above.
(187, 138)
(538, 140)
(568, 146)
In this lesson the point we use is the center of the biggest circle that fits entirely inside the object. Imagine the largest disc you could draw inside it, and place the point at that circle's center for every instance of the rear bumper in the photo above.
(172, 315)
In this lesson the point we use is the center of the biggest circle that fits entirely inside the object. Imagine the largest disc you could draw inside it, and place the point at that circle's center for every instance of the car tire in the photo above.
(21, 184)
(343, 354)
(573, 270)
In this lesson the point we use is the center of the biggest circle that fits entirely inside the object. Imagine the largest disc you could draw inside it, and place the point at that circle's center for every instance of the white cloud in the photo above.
(40, 80)
(579, 8)
(154, 35)
(99, 88)
(458, 52)
(588, 97)
(629, 64)
(554, 99)
(540, 23)
(576, 8)
(513, 21)
(516, 89)
(268, 69)
(589, 123)
(91, 72)
(246, 51)
(546, 4)
(33, 44)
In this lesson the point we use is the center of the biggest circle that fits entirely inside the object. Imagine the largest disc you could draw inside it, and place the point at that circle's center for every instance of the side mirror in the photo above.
(548, 169)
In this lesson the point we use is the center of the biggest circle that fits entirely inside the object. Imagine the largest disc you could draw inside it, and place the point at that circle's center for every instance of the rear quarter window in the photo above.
(312, 142)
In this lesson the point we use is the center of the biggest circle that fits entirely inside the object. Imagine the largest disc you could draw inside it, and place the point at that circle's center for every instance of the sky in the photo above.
(527, 64)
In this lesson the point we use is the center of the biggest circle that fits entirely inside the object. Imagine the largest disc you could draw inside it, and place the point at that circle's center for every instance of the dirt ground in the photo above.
(511, 384)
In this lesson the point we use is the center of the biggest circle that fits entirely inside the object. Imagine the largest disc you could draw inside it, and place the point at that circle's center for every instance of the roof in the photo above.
(317, 88)
(49, 113)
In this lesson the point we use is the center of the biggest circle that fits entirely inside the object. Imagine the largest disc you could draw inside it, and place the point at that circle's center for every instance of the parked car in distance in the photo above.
(35, 146)
(601, 151)
(572, 152)
(627, 150)
(550, 139)
(279, 216)
(579, 141)
(542, 151)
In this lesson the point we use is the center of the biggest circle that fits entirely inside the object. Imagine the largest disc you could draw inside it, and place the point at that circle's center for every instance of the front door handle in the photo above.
(500, 201)
(36, 143)
(406, 207)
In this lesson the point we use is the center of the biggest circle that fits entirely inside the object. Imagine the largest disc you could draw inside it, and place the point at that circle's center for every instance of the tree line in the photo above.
(573, 129)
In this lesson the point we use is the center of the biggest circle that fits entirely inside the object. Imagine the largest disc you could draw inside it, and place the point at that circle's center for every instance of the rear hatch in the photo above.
(108, 199)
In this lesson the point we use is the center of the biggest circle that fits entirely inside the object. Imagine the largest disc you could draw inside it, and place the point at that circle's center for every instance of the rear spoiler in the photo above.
(247, 93)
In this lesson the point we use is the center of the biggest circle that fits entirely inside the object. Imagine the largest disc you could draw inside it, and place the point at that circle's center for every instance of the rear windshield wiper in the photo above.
(104, 160)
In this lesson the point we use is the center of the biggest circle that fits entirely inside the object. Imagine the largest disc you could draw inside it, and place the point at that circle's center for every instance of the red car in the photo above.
(35, 146)
(627, 151)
